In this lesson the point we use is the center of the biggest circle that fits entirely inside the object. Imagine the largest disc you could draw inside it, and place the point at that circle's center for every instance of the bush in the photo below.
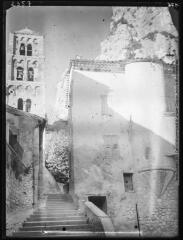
(57, 156)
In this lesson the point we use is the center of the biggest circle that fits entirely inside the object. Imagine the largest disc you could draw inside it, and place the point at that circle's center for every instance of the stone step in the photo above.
(59, 206)
(50, 223)
(55, 198)
(59, 203)
(80, 227)
(56, 233)
(58, 211)
(55, 218)
(55, 213)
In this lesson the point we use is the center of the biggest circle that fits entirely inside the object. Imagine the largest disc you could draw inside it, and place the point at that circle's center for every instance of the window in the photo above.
(20, 104)
(110, 145)
(170, 104)
(12, 139)
(29, 50)
(28, 105)
(104, 106)
(147, 152)
(22, 49)
(20, 73)
(30, 74)
(128, 182)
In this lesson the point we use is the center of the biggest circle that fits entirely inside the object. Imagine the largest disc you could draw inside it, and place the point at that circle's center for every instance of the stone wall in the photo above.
(159, 216)
(21, 173)
(19, 191)
(121, 137)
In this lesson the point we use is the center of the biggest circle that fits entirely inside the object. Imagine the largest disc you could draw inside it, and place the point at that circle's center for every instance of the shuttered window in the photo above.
(128, 181)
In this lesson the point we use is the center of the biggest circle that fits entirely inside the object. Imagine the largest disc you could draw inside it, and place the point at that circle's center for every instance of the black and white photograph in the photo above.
(92, 110)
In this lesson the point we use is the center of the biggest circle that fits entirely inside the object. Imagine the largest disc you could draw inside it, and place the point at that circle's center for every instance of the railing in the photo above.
(99, 220)
(15, 156)
(18, 149)
(138, 223)
(11, 151)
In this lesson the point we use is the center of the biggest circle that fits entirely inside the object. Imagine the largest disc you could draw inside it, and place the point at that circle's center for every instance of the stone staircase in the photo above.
(57, 218)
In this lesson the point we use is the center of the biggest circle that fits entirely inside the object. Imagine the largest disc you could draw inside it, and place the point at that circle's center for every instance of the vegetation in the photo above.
(57, 155)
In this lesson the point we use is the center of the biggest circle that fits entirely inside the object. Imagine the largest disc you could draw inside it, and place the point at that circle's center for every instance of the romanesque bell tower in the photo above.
(24, 72)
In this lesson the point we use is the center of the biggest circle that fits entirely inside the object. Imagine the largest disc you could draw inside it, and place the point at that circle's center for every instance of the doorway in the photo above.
(99, 201)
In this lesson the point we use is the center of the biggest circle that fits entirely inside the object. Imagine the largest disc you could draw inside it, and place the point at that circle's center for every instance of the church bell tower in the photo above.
(25, 87)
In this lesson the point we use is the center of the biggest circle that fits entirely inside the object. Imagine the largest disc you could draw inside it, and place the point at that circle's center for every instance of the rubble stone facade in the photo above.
(24, 159)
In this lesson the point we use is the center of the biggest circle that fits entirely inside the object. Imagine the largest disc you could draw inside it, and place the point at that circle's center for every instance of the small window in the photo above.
(147, 152)
(110, 145)
(20, 104)
(30, 74)
(104, 106)
(29, 50)
(20, 73)
(22, 49)
(128, 182)
(12, 139)
(28, 105)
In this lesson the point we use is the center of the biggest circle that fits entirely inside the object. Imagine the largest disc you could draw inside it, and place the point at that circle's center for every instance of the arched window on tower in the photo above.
(28, 105)
(22, 49)
(20, 104)
(30, 74)
(20, 73)
(29, 50)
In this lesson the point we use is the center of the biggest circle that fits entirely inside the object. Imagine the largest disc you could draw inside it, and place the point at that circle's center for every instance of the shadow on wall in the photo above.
(105, 146)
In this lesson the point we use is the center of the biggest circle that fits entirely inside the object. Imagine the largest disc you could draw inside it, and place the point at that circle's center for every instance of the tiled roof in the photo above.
(18, 112)
(114, 66)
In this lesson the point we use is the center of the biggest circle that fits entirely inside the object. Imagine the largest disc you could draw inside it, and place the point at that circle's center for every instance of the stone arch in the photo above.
(20, 89)
(11, 89)
(35, 41)
(22, 49)
(30, 74)
(35, 63)
(20, 104)
(15, 63)
(13, 69)
(28, 105)
(29, 90)
(37, 90)
(29, 49)
(20, 73)
(29, 40)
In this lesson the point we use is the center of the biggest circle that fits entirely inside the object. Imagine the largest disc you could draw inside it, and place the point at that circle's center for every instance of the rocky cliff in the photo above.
(141, 32)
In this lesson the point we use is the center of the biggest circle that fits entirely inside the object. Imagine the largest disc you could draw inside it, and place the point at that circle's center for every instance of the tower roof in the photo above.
(26, 31)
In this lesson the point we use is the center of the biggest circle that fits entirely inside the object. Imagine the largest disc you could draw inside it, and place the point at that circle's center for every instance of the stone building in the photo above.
(24, 73)
(24, 159)
(122, 117)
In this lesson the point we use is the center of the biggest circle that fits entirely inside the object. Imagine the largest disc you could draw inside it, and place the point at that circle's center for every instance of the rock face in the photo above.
(141, 32)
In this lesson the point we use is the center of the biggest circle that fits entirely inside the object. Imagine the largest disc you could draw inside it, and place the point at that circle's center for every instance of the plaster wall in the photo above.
(136, 104)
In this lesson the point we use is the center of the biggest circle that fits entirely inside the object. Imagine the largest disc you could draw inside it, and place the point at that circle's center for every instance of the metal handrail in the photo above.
(17, 157)
(138, 223)
(11, 149)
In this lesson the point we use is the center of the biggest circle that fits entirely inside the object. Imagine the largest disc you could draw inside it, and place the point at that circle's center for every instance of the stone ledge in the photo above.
(99, 219)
